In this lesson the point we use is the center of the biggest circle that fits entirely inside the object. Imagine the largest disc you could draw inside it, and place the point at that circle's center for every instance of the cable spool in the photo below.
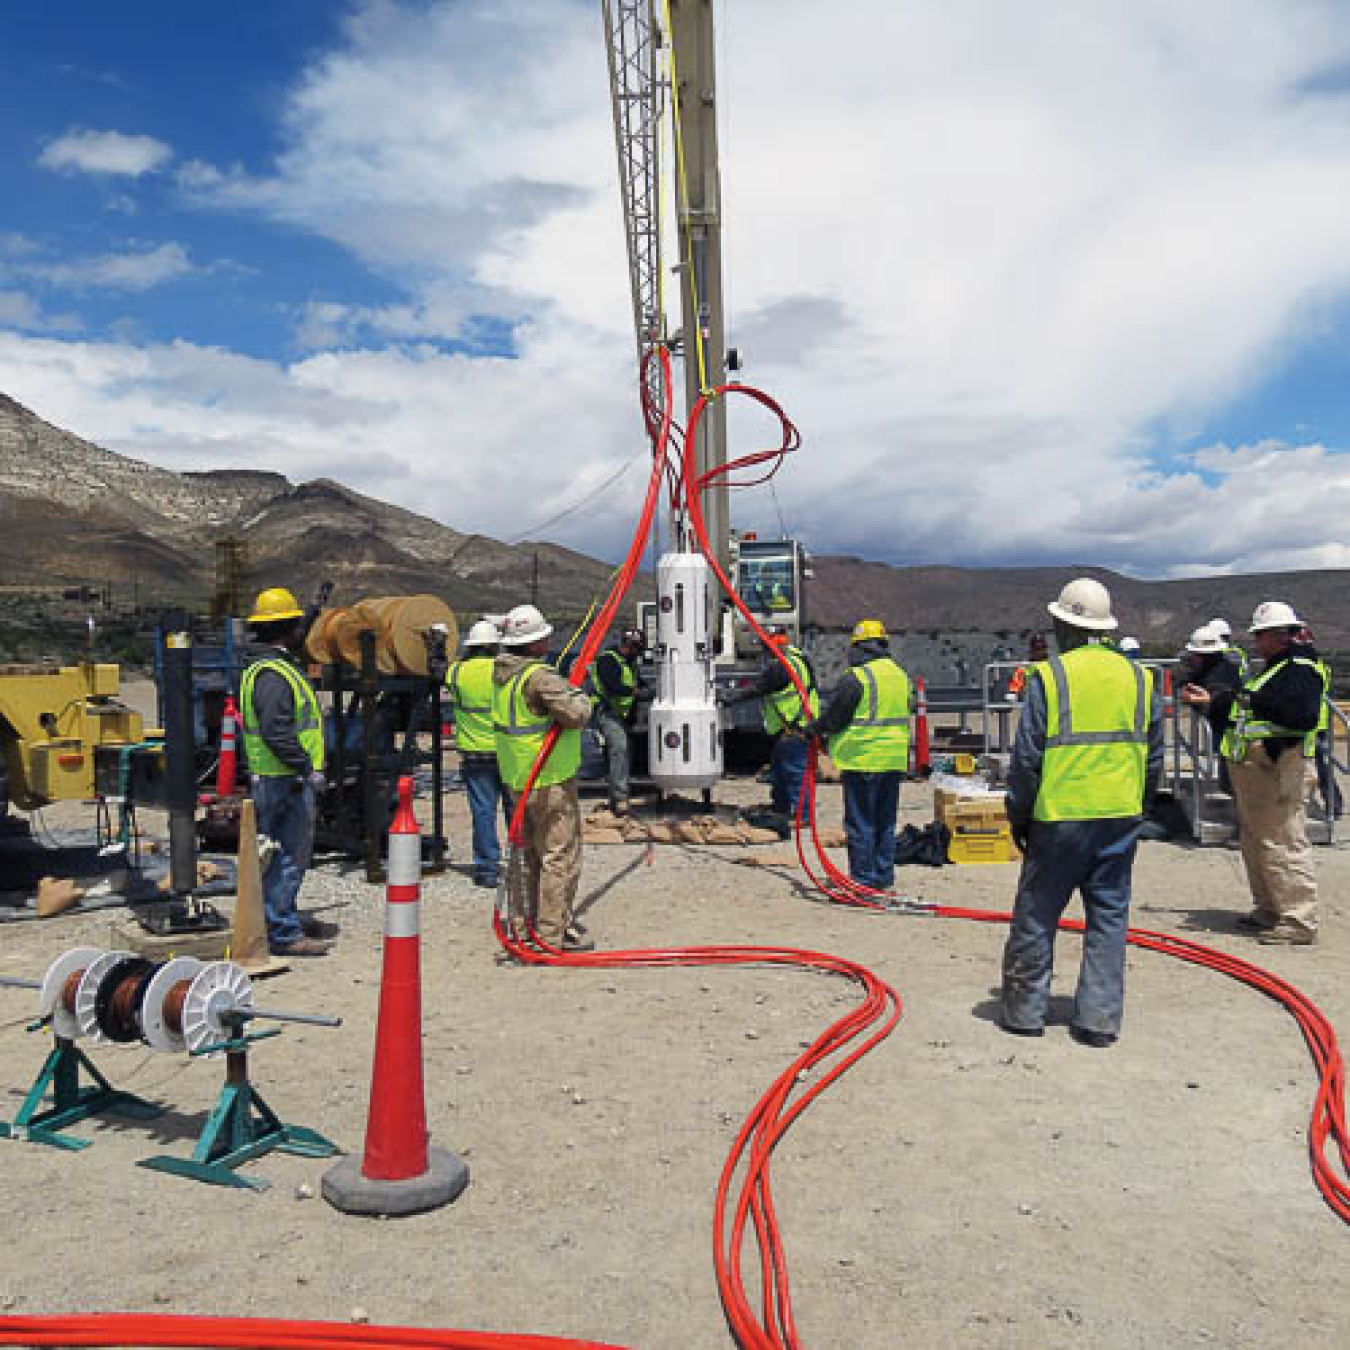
(162, 1007)
(398, 622)
(86, 1002)
(59, 987)
(117, 1005)
(216, 990)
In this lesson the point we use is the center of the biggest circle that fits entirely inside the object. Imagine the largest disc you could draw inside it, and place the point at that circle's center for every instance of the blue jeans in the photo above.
(286, 811)
(484, 786)
(870, 803)
(1094, 856)
(787, 770)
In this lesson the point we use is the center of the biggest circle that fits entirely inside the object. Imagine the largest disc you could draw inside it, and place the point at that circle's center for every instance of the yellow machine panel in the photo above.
(50, 721)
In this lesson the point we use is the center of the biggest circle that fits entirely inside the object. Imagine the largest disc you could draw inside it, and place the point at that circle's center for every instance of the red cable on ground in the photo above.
(260, 1333)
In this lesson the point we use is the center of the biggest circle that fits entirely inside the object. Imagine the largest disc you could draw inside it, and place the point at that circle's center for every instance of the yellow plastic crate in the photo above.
(982, 846)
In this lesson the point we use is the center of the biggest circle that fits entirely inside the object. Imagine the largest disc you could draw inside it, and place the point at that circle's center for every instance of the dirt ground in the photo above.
(960, 1187)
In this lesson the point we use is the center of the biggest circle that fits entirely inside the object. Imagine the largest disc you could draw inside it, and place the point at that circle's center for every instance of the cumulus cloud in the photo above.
(997, 272)
(105, 152)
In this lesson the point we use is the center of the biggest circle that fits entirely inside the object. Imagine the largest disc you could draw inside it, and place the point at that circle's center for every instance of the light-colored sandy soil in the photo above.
(960, 1187)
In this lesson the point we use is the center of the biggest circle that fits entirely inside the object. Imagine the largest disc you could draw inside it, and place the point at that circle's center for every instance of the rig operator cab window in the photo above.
(767, 580)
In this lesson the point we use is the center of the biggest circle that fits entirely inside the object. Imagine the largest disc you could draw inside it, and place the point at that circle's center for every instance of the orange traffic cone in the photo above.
(228, 770)
(921, 747)
(401, 1173)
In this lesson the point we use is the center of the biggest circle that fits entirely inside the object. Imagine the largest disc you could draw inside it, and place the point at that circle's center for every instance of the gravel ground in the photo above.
(959, 1187)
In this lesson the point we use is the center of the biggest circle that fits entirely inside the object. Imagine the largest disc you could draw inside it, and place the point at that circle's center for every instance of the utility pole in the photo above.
(700, 231)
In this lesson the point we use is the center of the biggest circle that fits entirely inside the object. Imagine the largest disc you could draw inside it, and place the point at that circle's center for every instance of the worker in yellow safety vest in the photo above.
(284, 746)
(1269, 742)
(866, 719)
(529, 698)
(1088, 755)
(468, 683)
(616, 689)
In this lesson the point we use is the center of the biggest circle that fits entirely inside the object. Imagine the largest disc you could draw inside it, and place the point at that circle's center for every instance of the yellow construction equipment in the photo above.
(52, 722)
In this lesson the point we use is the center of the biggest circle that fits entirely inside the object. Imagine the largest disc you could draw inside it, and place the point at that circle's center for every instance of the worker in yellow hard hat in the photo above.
(283, 740)
(866, 718)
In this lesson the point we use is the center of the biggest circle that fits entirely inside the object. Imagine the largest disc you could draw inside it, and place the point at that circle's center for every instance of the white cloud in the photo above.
(993, 267)
(21, 311)
(105, 152)
(136, 270)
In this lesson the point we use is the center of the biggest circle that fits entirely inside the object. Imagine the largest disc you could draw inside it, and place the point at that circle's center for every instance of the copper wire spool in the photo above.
(119, 999)
(173, 1006)
(69, 990)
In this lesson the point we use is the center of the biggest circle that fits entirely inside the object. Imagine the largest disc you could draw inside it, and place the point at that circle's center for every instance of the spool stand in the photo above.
(71, 1101)
(241, 1127)
(68, 990)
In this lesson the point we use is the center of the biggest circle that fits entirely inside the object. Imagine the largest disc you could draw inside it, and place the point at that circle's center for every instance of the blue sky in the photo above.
(1029, 301)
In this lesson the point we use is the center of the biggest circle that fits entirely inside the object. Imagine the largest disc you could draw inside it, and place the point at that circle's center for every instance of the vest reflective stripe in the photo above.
(1247, 729)
(877, 739)
(621, 703)
(308, 720)
(1097, 704)
(470, 684)
(1324, 719)
(783, 708)
(519, 735)
(1241, 660)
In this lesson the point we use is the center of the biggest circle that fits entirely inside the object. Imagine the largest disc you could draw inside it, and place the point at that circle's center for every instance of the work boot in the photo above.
(485, 880)
(302, 946)
(314, 927)
(1098, 1040)
(1014, 1030)
(1286, 935)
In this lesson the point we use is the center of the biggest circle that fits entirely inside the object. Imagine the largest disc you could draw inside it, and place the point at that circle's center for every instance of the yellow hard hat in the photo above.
(869, 630)
(272, 606)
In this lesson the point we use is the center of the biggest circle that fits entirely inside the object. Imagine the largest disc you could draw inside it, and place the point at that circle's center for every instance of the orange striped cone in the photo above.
(400, 1173)
(921, 747)
(228, 769)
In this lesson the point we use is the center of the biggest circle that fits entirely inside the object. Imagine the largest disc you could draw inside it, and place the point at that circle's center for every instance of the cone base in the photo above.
(347, 1189)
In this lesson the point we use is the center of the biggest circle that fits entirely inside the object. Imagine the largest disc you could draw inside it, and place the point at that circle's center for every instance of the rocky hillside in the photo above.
(72, 512)
(1010, 601)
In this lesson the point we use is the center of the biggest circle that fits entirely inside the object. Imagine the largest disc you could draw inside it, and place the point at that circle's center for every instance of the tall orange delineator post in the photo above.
(921, 747)
(227, 773)
(400, 1172)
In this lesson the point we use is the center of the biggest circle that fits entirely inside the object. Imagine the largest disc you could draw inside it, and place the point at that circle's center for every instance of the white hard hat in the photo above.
(1220, 626)
(1084, 603)
(1129, 644)
(1274, 614)
(524, 625)
(1206, 638)
(483, 634)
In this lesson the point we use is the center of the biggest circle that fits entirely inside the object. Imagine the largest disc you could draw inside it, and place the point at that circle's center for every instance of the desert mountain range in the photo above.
(72, 512)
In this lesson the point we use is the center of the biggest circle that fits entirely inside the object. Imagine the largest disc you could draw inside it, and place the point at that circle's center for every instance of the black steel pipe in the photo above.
(180, 739)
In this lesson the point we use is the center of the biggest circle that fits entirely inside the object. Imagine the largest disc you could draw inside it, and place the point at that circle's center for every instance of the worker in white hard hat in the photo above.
(468, 683)
(529, 698)
(1088, 755)
(1269, 738)
(284, 745)
(1207, 661)
(1224, 630)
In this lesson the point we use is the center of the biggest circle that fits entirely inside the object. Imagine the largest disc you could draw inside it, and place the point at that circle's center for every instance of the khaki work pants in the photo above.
(1274, 836)
(552, 847)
